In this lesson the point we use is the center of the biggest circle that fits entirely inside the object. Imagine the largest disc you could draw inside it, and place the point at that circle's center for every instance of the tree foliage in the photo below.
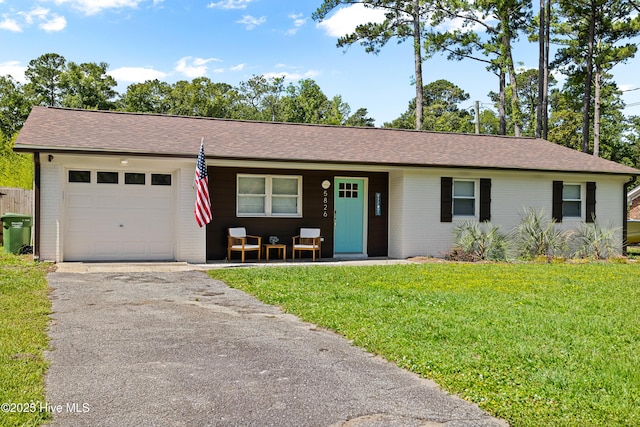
(441, 110)
(260, 98)
(16, 170)
(87, 85)
(45, 74)
(500, 23)
(151, 96)
(404, 19)
(593, 35)
(14, 107)
(54, 81)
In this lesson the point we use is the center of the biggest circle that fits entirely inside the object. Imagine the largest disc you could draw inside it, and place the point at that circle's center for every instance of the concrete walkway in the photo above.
(176, 348)
(111, 267)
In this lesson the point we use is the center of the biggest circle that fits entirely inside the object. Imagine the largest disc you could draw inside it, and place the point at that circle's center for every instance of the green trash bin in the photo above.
(16, 231)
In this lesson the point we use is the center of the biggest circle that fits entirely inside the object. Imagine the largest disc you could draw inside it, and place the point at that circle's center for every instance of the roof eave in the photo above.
(20, 148)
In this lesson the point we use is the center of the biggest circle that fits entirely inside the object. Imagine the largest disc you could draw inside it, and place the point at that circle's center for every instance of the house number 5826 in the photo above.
(325, 203)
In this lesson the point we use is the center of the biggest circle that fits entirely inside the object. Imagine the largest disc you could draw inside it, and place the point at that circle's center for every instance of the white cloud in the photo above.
(238, 67)
(92, 7)
(193, 67)
(37, 12)
(10, 25)
(459, 24)
(251, 22)
(298, 22)
(47, 21)
(136, 74)
(295, 76)
(345, 20)
(14, 69)
(56, 23)
(229, 4)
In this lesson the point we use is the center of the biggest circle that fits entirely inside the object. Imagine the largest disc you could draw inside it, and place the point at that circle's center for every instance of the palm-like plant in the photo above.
(481, 241)
(538, 235)
(595, 241)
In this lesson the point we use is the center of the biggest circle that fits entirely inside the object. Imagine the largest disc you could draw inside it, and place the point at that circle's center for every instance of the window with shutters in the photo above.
(571, 200)
(464, 198)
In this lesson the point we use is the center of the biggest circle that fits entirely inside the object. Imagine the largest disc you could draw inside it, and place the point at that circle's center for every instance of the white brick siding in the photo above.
(415, 228)
(191, 240)
(50, 215)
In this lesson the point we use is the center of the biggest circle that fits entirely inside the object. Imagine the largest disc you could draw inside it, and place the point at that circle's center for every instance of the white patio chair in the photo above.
(239, 241)
(309, 239)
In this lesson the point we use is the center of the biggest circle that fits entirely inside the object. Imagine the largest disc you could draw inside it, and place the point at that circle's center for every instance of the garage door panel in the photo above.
(135, 202)
(158, 247)
(109, 248)
(119, 222)
(80, 246)
(79, 201)
(136, 247)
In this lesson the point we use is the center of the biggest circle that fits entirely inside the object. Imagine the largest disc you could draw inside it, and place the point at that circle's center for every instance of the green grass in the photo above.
(24, 310)
(534, 344)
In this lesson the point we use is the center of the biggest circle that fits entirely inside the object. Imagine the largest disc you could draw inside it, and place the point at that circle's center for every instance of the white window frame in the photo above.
(268, 201)
(580, 200)
(474, 198)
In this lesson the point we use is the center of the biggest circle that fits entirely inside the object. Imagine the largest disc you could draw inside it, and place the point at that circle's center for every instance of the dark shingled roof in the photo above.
(59, 129)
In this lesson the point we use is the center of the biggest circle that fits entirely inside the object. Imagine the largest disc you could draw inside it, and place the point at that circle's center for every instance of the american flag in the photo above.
(202, 210)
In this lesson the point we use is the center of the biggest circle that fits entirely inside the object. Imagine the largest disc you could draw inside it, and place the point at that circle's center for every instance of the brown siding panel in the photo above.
(222, 183)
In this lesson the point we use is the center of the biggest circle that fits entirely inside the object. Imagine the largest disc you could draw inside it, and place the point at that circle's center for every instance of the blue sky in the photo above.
(231, 40)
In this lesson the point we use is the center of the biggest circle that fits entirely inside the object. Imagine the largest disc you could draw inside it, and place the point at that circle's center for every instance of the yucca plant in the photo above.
(537, 235)
(595, 241)
(480, 241)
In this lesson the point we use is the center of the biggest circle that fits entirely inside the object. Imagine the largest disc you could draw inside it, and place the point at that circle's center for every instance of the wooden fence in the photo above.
(15, 200)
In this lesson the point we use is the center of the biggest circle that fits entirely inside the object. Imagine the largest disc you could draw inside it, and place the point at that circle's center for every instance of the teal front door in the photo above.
(349, 215)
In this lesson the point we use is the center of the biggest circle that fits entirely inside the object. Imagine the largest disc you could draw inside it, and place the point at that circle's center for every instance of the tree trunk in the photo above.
(477, 120)
(515, 101)
(586, 105)
(417, 53)
(541, 69)
(545, 97)
(502, 103)
(596, 112)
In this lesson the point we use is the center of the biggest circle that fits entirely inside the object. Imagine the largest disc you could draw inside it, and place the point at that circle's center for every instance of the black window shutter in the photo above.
(557, 201)
(591, 202)
(485, 199)
(446, 199)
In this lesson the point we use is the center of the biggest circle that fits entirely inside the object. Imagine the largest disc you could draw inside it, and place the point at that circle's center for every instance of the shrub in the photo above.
(595, 241)
(537, 238)
(476, 242)
(537, 235)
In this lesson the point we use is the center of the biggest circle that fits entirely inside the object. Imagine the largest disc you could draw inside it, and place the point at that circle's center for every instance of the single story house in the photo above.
(119, 186)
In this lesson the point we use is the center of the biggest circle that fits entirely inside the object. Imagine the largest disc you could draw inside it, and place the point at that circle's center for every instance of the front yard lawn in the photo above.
(534, 344)
(24, 310)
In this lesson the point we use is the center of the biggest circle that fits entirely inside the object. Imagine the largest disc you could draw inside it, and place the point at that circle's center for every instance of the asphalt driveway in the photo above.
(180, 349)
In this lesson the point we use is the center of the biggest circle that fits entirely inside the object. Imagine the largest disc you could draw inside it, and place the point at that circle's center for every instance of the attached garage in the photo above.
(118, 215)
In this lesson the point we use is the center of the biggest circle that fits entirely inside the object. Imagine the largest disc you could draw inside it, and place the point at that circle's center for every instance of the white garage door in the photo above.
(118, 216)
